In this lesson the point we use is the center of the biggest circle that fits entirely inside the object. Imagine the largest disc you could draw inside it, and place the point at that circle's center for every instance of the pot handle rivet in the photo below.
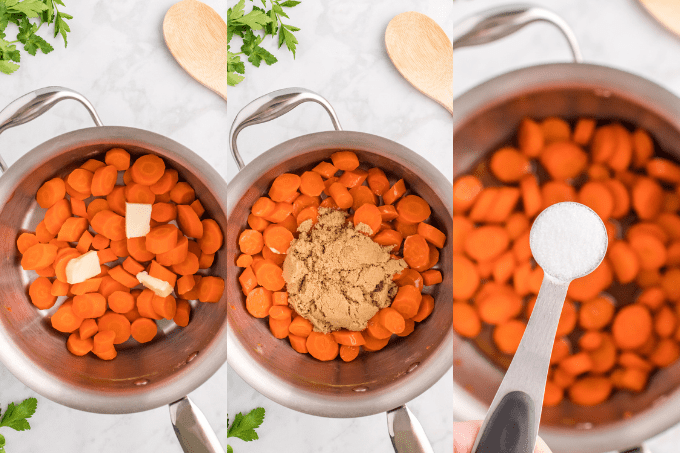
(31, 105)
(360, 389)
(271, 106)
(141, 382)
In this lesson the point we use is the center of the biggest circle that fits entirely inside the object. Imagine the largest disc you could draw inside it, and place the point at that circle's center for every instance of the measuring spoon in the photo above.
(568, 240)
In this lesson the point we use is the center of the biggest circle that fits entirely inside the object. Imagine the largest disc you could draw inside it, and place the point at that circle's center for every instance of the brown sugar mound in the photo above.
(337, 277)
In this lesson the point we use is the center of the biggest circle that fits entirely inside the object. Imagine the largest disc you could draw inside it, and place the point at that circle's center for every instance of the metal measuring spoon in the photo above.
(568, 240)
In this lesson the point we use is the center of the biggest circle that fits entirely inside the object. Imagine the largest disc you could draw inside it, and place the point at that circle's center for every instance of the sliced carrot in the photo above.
(91, 305)
(349, 353)
(283, 186)
(483, 203)
(81, 180)
(466, 321)
(279, 327)
(210, 288)
(50, 192)
(78, 346)
(409, 277)
(93, 165)
(588, 287)
(138, 193)
(189, 266)
(563, 160)
(121, 301)
(277, 238)
(665, 322)
(623, 150)
(395, 192)
(87, 328)
(116, 200)
(465, 192)
(596, 313)
(119, 158)
(147, 169)
(353, 178)
(106, 256)
(166, 182)
(299, 344)
(177, 254)
(625, 261)
(345, 160)
(189, 222)
(248, 280)
(649, 249)
(340, 195)
(647, 197)
(368, 215)
(499, 306)
(555, 192)
(503, 204)
(377, 181)
(57, 215)
(486, 243)
(507, 336)
(38, 256)
(104, 180)
(25, 241)
(530, 137)
(90, 285)
(145, 305)
(160, 272)
(322, 346)
(40, 292)
(391, 319)
(164, 306)
(509, 165)
(132, 266)
(590, 390)
(72, 229)
(162, 238)
(643, 148)
(325, 169)
(374, 344)
(555, 130)
(405, 229)
(416, 251)
(64, 320)
(143, 330)
(465, 277)
(186, 283)
(632, 326)
(137, 249)
(362, 195)
(78, 208)
(182, 313)
(665, 353)
(280, 311)
(604, 356)
(123, 277)
(597, 196)
(109, 224)
(116, 323)
(60, 288)
(407, 301)
(583, 131)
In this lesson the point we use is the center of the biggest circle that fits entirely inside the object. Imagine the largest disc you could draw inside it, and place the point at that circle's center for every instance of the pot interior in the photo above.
(371, 383)
(569, 92)
(142, 376)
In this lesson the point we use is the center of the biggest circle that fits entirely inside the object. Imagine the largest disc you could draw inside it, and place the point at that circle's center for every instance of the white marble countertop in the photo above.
(116, 57)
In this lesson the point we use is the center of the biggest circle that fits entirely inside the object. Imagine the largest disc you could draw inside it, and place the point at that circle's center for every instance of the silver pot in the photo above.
(486, 117)
(375, 382)
(161, 372)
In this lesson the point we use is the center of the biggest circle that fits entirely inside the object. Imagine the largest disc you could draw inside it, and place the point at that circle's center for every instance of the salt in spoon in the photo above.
(568, 240)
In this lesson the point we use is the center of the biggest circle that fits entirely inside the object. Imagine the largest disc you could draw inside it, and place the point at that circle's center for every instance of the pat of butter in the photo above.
(82, 268)
(158, 286)
(137, 219)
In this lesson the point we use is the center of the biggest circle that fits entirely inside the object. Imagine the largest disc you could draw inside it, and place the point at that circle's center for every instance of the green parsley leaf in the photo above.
(255, 19)
(61, 27)
(229, 449)
(15, 416)
(243, 427)
(7, 67)
(263, 20)
(2, 444)
(286, 35)
(30, 8)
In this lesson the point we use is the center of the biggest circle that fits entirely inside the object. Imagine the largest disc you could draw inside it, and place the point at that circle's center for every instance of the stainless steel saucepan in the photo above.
(374, 382)
(142, 377)
(486, 117)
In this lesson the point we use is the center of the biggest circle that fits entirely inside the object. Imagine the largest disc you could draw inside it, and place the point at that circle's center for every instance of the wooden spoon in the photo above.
(665, 11)
(423, 54)
(197, 37)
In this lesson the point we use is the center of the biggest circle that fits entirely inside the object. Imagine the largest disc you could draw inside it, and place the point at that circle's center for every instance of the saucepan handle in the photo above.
(406, 433)
(271, 106)
(499, 22)
(192, 428)
(31, 105)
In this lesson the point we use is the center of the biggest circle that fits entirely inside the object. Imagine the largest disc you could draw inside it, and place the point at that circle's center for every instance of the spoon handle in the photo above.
(511, 424)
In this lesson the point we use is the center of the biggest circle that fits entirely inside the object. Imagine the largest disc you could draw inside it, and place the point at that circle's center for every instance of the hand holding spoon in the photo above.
(568, 240)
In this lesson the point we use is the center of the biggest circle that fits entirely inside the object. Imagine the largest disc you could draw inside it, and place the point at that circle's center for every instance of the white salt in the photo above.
(568, 240)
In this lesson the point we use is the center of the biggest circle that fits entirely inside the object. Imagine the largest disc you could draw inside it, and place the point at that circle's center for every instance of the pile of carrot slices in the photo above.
(85, 211)
(397, 220)
(603, 344)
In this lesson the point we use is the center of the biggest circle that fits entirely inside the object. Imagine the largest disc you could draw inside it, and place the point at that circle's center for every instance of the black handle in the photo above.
(508, 429)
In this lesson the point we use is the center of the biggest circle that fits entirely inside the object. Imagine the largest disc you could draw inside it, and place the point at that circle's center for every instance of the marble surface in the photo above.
(116, 57)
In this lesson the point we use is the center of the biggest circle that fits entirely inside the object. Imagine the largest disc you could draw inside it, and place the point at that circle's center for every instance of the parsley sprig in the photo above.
(244, 426)
(15, 417)
(253, 28)
(29, 16)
